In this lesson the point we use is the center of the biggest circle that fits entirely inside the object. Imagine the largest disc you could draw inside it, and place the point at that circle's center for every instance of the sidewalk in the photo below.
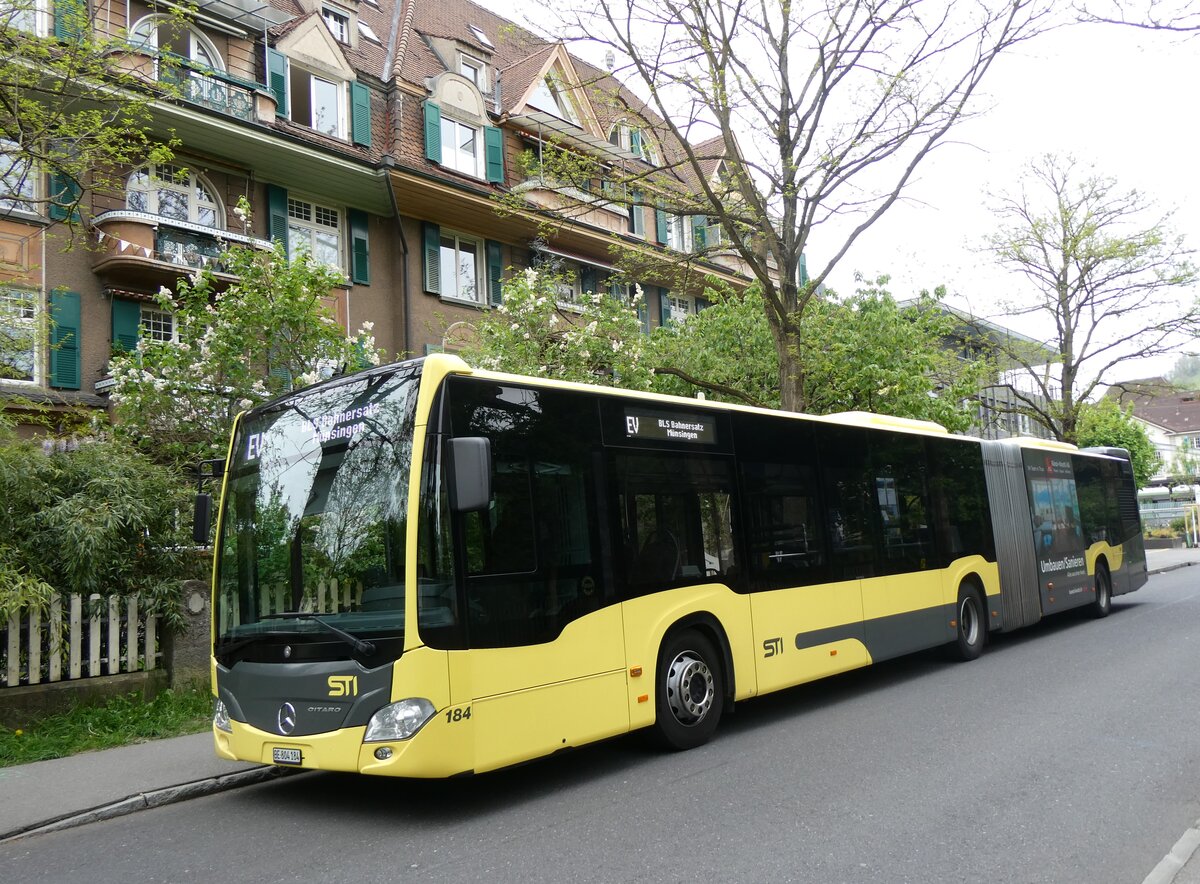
(49, 795)
(65, 792)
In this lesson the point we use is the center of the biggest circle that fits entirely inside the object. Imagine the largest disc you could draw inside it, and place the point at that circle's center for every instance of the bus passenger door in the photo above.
(545, 669)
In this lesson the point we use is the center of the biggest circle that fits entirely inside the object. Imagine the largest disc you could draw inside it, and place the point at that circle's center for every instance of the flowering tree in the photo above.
(269, 332)
(533, 332)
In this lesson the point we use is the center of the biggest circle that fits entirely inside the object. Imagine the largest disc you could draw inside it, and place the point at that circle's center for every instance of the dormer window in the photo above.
(317, 103)
(551, 96)
(481, 37)
(634, 140)
(338, 22)
(472, 69)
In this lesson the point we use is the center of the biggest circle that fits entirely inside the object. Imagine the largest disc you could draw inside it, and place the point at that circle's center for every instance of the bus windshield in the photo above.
(311, 552)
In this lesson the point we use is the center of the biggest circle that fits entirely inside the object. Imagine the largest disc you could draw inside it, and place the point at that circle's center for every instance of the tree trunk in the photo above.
(791, 371)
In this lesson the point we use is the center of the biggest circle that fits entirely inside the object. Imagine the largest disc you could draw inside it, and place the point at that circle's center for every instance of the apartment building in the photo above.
(378, 137)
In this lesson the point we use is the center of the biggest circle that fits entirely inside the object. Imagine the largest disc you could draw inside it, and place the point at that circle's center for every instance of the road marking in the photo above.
(1168, 867)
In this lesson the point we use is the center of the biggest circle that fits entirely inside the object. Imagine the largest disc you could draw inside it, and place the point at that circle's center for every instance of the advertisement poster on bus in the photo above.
(1057, 527)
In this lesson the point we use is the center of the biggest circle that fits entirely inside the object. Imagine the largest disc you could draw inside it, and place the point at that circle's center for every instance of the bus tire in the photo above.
(971, 624)
(1103, 602)
(689, 695)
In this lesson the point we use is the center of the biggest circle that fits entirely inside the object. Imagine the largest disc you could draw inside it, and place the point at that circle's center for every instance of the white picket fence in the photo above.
(105, 635)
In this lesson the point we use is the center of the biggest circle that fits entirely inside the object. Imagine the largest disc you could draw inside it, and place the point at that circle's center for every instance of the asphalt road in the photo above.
(1069, 752)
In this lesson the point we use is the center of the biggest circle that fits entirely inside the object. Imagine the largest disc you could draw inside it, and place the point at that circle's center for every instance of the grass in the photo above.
(120, 721)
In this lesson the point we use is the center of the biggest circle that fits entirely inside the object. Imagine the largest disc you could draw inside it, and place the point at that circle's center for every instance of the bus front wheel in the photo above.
(1103, 603)
(689, 695)
(971, 629)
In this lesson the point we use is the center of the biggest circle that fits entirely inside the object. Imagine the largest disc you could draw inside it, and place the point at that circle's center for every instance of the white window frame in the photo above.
(481, 36)
(468, 64)
(552, 97)
(25, 179)
(311, 79)
(679, 233)
(12, 298)
(37, 14)
(682, 306)
(338, 22)
(201, 49)
(452, 157)
(151, 180)
(151, 322)
(452, 279)
(307, 225)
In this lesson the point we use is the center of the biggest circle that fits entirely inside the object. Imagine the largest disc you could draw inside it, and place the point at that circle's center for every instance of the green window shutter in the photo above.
(360, 264)
(661, 227)
(431, 258)
(277, 80)
(664, 307)
(126, 324)
(643, 312)
(277, 211)
(64, 194)
(699, 232)
(637, 214)
(360, 114)
(702, 304)
(635, 142)
(587, 280)
(70, 19)
(64, 340)
(433, 132)
(495, 269)
(493, 140)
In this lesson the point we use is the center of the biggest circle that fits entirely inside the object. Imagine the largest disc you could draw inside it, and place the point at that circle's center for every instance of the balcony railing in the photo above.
(129, 236)
(216, 90)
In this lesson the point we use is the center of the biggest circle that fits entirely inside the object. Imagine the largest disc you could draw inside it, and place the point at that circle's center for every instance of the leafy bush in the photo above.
(99, 518)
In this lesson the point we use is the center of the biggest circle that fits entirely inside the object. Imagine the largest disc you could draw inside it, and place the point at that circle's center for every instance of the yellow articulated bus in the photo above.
(423, 570)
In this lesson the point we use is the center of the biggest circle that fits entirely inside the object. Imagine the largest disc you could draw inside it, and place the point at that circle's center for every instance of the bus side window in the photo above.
(849, 500)
(899, 472)
(676, 519)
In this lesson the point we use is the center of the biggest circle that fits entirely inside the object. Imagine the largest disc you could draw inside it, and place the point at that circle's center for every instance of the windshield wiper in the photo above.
(358, 644)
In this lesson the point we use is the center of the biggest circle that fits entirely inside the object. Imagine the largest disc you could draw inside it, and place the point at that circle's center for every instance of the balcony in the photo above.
(200, 85)
(142, 250)
(222, 93)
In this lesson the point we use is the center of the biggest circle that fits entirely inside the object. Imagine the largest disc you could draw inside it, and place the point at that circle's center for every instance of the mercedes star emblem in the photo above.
(287, 718)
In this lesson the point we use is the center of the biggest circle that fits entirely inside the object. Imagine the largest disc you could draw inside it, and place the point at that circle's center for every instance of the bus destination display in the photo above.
(668, 426)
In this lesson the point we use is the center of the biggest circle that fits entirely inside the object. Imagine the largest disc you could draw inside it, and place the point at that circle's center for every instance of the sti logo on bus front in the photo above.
(343, 685)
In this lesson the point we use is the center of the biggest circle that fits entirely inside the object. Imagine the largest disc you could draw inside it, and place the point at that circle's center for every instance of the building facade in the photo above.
(381, 138)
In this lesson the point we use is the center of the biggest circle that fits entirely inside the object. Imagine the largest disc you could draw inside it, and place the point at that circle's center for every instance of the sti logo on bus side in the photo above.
(343, 685)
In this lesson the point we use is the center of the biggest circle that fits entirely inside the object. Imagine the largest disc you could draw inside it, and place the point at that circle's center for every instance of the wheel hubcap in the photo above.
(968, 621)
(690, 688)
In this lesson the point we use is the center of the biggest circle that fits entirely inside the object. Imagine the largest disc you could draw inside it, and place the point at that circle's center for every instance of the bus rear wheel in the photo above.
(1103, 603)
(690, 694)
(971, 631)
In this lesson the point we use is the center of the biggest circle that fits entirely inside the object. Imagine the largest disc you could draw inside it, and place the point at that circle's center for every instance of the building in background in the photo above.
(376, 137)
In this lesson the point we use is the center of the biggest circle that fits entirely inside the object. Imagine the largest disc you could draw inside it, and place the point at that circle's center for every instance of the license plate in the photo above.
(285, 756)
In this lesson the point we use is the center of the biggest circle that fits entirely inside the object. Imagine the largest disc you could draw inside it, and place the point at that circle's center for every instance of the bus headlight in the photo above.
(221, 716)
(399, 721)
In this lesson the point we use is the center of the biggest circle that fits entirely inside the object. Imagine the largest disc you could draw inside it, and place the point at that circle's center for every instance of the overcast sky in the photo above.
(1117, 97)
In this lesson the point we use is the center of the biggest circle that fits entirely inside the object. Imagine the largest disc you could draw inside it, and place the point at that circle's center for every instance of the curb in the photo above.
(1174, 862)
(154, 798)
(1167, 568)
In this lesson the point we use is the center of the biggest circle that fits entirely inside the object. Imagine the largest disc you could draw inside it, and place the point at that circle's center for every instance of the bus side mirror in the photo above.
(202, 518)
(469, 473)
